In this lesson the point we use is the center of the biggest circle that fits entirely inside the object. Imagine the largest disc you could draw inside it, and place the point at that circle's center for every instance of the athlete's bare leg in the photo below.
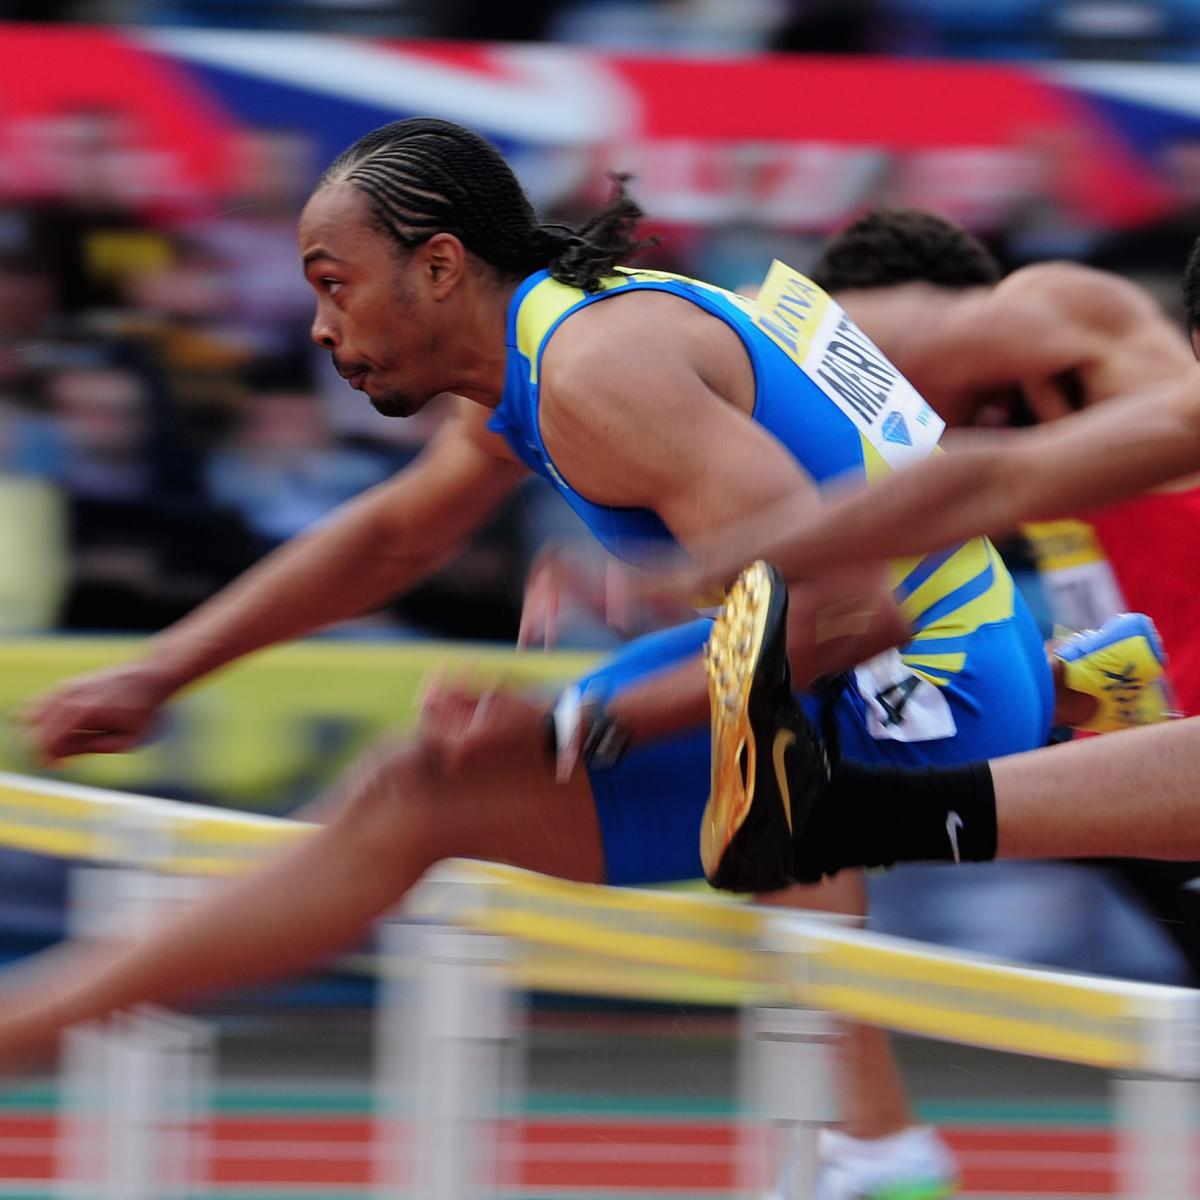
(396, 813)
(1134, 794)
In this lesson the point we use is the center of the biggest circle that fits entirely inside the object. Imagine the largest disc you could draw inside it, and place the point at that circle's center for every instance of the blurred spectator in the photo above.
(30, 444)
(282, 470)
(26, 301)
(92, 234)
(252, 247)
(103, 414)
(231, 297)
(145, 546)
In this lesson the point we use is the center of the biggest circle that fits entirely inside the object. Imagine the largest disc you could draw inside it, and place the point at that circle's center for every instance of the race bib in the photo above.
(1080, 586)
(847, 366)
(901, 705)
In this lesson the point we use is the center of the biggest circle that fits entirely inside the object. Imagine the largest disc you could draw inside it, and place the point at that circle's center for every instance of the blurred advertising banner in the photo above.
(75, 101)
(793, 143)
(268, 732)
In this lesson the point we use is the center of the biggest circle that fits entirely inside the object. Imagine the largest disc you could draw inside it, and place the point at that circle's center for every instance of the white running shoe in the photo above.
(914, 1164)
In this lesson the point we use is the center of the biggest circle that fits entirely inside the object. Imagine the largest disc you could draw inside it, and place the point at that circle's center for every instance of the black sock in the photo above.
(877, 816)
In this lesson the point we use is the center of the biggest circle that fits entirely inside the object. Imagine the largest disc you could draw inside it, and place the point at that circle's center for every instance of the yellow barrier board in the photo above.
(76, 821)
(1075, 1018)
(711, 951)
(266, 732)
(669, 946)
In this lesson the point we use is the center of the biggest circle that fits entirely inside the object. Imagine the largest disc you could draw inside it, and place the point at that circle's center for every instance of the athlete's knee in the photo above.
(389, 796)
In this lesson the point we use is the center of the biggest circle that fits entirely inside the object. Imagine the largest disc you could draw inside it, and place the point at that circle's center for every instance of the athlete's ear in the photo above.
(445, 262)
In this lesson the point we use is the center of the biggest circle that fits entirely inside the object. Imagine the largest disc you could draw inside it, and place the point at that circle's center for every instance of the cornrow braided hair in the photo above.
(424, 176)
(1191, 288)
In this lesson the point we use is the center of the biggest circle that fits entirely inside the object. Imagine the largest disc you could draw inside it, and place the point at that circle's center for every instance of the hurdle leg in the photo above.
(135, 1089)
(448, 1064)
(1156, 1130)
(786, 1085)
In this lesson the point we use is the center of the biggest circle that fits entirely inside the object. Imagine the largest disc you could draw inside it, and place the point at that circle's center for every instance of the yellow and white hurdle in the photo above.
(474, 934)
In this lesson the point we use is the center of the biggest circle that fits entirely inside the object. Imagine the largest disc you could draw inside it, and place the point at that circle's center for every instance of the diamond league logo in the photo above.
(895, 430)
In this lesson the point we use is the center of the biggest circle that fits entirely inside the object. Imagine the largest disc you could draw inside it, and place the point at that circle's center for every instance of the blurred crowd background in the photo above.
(165, 421)
(1133, 29)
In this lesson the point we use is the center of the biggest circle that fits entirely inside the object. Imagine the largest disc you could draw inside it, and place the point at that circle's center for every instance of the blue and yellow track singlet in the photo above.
(973, 682)
(822, 388)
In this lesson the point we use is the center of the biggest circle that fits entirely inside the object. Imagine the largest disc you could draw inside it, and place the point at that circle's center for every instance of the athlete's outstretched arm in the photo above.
(989, 487)
(375, 546)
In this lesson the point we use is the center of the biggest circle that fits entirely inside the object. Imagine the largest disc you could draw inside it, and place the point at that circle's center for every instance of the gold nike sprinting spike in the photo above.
(730, 660)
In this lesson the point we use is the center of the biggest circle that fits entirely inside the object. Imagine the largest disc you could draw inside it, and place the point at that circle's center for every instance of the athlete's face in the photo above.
(375, 313)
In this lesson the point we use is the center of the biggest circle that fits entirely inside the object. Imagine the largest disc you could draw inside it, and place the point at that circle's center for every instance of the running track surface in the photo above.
(327, 1156)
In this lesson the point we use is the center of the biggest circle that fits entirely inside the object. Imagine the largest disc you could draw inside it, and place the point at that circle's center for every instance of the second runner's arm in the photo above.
(1103, 454)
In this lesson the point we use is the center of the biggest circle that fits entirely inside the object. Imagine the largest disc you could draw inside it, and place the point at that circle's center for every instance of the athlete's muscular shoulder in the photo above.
(602, 376)
(1039, 324)
(625, 381)
(1077, 296)
(1108, 332)
(647, 406)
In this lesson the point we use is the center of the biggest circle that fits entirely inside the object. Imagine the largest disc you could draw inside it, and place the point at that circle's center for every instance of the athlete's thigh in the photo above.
(497, 797)
(982, 695)
(496, 800)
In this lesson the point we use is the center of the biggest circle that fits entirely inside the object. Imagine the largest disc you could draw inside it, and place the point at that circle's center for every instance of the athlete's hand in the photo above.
(105, 712)
(540, 607)
(460, 724)
(605, 590)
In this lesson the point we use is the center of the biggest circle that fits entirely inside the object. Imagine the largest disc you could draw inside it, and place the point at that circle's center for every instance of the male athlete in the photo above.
(911, 279)
(661, 408)
(926, 292)
(1131, 795)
